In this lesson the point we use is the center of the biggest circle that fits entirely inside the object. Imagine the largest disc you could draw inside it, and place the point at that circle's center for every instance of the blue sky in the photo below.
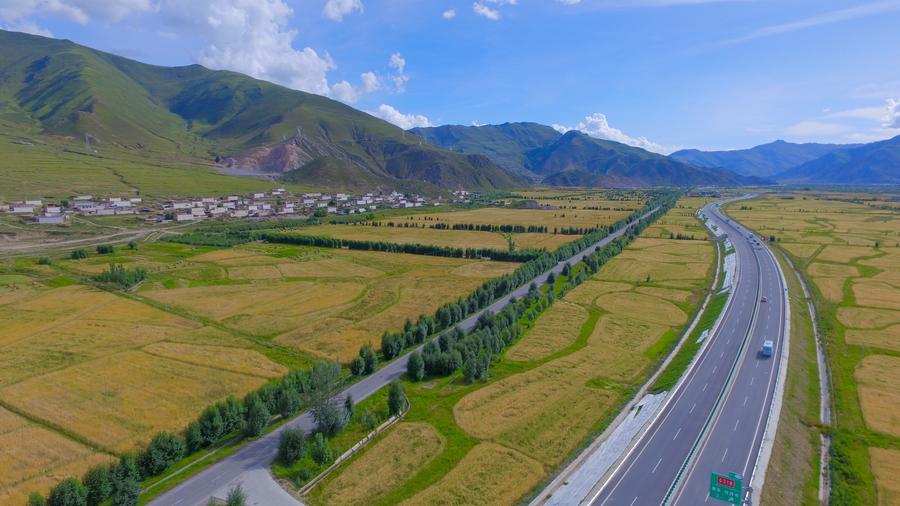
(661, 74)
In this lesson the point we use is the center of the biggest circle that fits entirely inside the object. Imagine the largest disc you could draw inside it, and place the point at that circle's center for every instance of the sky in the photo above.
(658, 74)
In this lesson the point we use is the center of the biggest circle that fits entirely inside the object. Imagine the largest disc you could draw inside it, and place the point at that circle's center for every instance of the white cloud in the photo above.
(825, 18)
(370, 82)
(485, 11)
(596, 125)
(79, 11)
(891, 119)
(449, 14)
(252, 37)
(504, 2)
(335, 10)
(814, 129)
(345, 92)
(398, 63)
(404, 121)
(569, 2)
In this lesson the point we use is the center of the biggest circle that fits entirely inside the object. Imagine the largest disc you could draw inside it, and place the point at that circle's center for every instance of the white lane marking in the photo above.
(657, 465)
(736, 423)
(692, 408)
(724, 454)
(633, 501)
(757, 363)
(704, 386)
(745, 400)
(721, 354)
(714, 369)
(751, 380)
(676, 433)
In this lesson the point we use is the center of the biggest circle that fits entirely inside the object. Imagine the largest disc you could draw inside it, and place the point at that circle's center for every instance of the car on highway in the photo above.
(768, 348)
(763, 299)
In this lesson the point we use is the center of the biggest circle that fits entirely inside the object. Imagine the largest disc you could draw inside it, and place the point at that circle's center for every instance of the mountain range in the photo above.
(62, 89)
(64, 92)
(542, 154)
(766, 160)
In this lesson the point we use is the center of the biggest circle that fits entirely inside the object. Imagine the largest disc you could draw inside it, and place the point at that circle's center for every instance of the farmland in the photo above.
(87, 373)
(558, 385)
(849, 252)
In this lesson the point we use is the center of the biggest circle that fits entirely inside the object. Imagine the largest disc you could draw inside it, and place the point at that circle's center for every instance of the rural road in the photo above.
(249, 466)
(716, 419)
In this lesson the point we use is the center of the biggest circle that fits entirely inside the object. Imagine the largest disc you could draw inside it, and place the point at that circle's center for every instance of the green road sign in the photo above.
(727, 488)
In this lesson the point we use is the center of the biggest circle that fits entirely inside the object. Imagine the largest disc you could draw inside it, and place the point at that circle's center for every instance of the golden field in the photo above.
(847, 245)
(102, 371)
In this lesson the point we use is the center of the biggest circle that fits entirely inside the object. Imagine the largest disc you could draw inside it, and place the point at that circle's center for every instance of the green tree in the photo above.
(212, 427)
(288, 401)
(78, 254)
(357, 366)
(104, 249)
(126, 491)
(291, 446)
(329, 416)
(396, 400)
(369, 358)
(194, 437)
(98, 481)
(164, 450)
(321, 450)
(69, 492)
(132, 245)
(257, 418)
(415, 367)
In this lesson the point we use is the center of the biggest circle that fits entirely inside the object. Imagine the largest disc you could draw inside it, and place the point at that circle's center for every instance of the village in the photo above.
(278, 202)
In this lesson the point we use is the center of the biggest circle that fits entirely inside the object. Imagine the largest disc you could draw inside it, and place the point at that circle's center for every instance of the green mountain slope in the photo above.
(505, 144)
(765, 160)
(875, 163)
(59, 88)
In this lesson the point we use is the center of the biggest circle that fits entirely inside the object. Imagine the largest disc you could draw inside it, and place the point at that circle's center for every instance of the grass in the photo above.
(849, 263)
(686, 353)
(551, 392)
(793, 474)
(878, 382)
(886, 466)
(551, 218)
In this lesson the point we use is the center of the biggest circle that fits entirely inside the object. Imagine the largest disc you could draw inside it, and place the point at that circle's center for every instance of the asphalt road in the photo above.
(732, 439)
(250, 464)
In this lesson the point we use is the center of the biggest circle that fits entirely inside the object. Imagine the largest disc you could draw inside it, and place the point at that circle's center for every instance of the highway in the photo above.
(249, 465)
(716, 418)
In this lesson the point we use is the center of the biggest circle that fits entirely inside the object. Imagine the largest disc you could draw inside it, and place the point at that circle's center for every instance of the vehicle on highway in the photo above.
(767, 348)
(764, 299)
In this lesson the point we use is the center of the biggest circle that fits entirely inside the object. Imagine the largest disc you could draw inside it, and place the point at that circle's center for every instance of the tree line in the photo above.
(414, 248)
(120, 275)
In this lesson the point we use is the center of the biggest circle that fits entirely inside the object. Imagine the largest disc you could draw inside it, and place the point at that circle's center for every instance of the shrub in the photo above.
(78, 254)
(36, 499)
(369, 359)
(44, 261)
(357, 366)
(236, 496)
(104, 249)
(257, 418)
(119, 275)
